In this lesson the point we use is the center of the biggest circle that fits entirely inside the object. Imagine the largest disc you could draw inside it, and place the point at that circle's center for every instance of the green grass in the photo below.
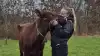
(78, 46)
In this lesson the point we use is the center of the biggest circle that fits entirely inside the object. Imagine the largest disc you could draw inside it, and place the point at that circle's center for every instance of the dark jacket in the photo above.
(62, 31)
(60, 35)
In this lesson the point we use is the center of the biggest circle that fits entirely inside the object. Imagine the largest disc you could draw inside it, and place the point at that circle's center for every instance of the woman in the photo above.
(61, 30)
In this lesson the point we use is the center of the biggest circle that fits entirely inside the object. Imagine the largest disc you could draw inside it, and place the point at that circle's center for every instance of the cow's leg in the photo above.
(21, 47)
(41, 53)
(21, 53)
(41, 49)
(27, 50)
(26, 53)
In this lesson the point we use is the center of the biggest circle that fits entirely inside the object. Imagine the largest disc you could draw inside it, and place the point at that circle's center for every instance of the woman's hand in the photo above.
(54, 22)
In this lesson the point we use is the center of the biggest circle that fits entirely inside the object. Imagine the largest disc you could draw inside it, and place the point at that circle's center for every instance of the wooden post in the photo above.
(75, 20)
(6, 29)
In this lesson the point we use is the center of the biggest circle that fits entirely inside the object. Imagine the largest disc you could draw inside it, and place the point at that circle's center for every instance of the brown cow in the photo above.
(30, 43)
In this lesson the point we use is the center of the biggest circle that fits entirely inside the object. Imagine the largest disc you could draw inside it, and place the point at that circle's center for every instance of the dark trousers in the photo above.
(59, 47)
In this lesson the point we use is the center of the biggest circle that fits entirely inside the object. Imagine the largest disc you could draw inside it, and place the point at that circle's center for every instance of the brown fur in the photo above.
(27, 36)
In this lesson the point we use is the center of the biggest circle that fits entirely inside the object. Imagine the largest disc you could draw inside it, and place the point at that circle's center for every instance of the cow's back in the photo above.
(27, 36)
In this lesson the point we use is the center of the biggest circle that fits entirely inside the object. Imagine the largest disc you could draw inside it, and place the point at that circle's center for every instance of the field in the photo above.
(78, 46)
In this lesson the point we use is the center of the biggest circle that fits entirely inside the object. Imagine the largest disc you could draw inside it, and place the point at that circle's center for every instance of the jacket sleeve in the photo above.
(52, 27)
(53, 24)
(67, 29)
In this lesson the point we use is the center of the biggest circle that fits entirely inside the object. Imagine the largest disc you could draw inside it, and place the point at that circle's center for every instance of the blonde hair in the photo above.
(64, 11)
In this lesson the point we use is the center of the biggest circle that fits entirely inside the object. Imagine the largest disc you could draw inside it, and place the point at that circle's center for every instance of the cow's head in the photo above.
(45, 15)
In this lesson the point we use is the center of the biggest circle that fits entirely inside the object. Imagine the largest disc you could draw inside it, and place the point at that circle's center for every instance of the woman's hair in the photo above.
(71, 17)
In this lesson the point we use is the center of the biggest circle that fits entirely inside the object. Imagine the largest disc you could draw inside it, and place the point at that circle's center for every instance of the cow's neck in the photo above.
(43, 28)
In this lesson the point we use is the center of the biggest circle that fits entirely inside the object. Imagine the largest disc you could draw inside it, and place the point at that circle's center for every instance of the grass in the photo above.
(78, 46)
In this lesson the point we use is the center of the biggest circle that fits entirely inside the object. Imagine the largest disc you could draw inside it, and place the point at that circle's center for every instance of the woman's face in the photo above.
(61, 20)
(64, 12)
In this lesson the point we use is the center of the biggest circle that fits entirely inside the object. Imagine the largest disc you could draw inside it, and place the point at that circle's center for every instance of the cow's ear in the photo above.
(38, 12)
(19, 27)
